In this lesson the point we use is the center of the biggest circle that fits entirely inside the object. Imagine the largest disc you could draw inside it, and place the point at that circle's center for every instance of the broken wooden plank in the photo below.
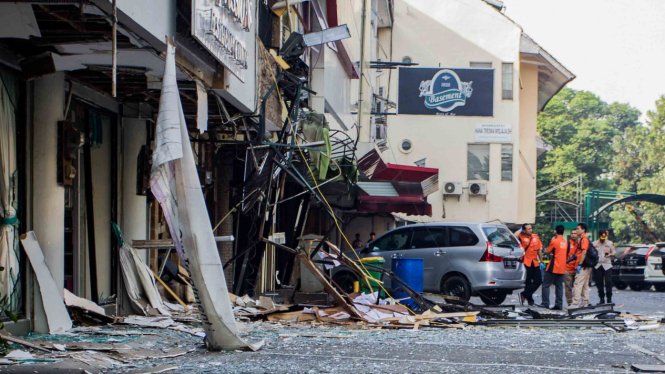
(434, 316)
(153, 244)
(170, 291)
(24, 343)
(316, 272)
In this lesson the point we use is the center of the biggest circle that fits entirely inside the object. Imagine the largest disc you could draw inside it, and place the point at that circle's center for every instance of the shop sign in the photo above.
(440, 91)
(224, 27)
(486, 133)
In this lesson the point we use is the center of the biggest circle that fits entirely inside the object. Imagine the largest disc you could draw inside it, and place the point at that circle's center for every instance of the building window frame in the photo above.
(485, 168)
(507, 78)
(507, 166)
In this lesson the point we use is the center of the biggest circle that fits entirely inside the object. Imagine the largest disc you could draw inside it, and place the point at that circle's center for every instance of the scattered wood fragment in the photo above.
(24, 343)
(434, 316)
(170, 291)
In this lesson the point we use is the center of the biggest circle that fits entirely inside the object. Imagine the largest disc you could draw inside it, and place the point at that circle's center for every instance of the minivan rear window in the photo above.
(500, 236)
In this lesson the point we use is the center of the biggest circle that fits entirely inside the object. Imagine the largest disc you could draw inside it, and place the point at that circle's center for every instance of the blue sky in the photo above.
(616, 48)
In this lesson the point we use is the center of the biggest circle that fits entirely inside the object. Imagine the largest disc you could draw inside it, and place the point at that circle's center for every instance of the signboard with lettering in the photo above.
(493, 133)
(442, 91)
(223, 28)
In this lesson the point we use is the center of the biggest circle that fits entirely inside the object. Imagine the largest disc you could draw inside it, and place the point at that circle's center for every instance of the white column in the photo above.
(48, 199)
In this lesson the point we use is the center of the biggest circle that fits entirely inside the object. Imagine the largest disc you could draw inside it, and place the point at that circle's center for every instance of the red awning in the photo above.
(410, 205)
(373, 166)
(404, 173)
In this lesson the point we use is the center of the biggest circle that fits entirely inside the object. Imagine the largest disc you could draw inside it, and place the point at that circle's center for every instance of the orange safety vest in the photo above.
(559, 248)
(531, 244)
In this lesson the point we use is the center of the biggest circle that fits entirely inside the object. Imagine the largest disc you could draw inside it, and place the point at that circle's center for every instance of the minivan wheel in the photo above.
(620, 285)
(492, 298)
(640, 286)
(456, 286)
(660, 287)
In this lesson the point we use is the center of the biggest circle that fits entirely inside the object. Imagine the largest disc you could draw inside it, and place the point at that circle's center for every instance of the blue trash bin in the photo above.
(410, 271)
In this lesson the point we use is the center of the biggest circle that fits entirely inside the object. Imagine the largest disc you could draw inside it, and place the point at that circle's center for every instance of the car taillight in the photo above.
(521, 259)
(649, 253)
(489, 255)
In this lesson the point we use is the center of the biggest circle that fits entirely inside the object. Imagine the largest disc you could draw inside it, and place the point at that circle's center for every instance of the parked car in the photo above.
(653, 273)
(641, 268)
(616, 265)
(460, 259)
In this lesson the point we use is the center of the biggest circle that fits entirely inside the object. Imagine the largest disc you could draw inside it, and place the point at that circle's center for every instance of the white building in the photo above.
(480, 130)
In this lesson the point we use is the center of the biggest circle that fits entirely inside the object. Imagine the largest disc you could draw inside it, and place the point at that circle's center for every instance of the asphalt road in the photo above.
(308, 348)
(651, 303)
(304, 348)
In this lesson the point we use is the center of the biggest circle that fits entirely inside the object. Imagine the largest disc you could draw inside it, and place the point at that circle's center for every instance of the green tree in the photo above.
(583, 130)
(581, 127)
(639, 166)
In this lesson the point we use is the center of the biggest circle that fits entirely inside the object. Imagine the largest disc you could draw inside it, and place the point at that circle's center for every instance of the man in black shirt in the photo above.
(357, 244)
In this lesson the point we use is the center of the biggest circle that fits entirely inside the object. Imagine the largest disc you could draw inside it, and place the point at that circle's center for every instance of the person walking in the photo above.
(533, 256)
(603, 271)
(357, 244)
(558, 250)
(581, 285)
(571, 267)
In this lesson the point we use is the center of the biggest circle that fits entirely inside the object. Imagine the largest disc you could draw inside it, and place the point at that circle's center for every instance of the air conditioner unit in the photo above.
(452, 189)
(478, 189)
(382, 92)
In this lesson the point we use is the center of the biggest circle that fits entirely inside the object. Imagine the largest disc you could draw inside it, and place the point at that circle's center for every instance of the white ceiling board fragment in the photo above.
(80, 56)
(18, 21)
(54, 305)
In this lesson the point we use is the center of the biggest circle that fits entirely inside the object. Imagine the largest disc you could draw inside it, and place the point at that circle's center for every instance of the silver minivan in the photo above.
(460, 259)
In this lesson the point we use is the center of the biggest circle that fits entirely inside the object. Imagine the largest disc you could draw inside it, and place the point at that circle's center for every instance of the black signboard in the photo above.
(442, 91)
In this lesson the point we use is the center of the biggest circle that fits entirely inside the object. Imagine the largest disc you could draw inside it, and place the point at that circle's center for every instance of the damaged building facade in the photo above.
(291, 113)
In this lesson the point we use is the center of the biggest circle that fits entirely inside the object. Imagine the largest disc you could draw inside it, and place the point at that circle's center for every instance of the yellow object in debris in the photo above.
(356, 286)
(469, 319)
(370, 259)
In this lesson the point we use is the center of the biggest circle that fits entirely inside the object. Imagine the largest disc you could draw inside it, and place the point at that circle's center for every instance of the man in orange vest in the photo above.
(533, 255)
(558, 250)
(571, 266)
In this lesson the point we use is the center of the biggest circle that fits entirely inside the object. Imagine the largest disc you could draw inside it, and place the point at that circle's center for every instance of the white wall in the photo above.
(156, 16)
(134, 223)
(48, 200)
(100, 157)
(528, 131)
(330, 81)
(451, 34)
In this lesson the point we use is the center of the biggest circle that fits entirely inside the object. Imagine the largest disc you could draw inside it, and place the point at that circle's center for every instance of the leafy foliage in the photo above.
(608, 145)
(639, 166)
